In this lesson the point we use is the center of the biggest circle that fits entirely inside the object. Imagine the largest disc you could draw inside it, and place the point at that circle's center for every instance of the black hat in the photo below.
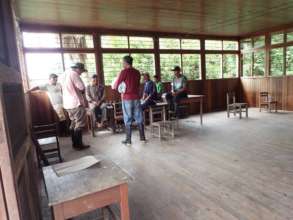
(176, 68)
(79, 66)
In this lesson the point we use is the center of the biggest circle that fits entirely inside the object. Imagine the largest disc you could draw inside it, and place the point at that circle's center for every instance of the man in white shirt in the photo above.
(74, 102)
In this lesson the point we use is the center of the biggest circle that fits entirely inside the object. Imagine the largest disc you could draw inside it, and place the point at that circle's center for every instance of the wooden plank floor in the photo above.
(229, 169)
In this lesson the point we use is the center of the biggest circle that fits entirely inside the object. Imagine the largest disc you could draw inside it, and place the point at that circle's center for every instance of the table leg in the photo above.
(124, 209)
(246, 108)
(58, 212)
(201, 103)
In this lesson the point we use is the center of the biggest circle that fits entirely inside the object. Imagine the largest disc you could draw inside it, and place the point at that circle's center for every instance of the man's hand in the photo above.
(174, 93)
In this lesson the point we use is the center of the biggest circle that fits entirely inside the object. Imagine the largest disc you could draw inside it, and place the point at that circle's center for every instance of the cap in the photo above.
(79, 66)
(176, 68)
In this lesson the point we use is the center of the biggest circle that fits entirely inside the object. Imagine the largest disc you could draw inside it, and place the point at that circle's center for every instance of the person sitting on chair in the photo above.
(159, 86)
(149, 92)
(95, 94)
(54, 92)
(179, 90)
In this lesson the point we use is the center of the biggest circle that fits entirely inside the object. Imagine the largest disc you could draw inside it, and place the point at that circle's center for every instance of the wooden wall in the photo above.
(280, 87)
(19, 199)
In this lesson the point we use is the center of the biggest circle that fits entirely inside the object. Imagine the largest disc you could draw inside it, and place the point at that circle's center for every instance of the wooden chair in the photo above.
(266, 101)
(158, 123)
(117, 117)
(46, 137)
(235, 107)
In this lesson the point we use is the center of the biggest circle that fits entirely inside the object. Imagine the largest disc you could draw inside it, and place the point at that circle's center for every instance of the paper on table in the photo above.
(65, 168)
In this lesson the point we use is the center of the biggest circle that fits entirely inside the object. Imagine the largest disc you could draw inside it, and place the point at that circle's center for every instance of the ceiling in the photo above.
(208, 17)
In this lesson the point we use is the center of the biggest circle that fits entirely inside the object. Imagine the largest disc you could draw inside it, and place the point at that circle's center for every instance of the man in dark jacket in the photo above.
(130, 98)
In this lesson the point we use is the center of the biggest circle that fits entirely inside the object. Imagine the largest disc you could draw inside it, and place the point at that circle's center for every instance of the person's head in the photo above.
(53, 78)
(95, 80)
(177, 71)
(156, 78)
(127, 61)
(79, 68)
(146, 77)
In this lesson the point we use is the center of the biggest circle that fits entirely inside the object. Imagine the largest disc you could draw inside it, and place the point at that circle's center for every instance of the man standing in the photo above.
(130, 98)
(54, 92)
(149, 92)
(74, 103)
(179, 90)
(96, 96)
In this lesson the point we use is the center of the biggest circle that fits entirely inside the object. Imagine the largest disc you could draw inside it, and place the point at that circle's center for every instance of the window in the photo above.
(290, 36)
(230, 65)
(168, 61)
(141, 42)
(41, 40)
(87, 58)
(259, 63)
(112, 64)
(144, 62)
(114, 41)
(230, 45)
(213, 66)
(277, 61)
(246, 44)
(289, 60)
(247, 64)
(213, 45)
(191, 66)
(169, 43)
(277, 38)
(190, 44)
(77, 41)
(259, 41)
(41, 65)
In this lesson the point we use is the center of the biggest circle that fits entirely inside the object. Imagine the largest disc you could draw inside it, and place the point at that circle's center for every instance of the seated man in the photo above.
(179, 90)
(149, 92)
(54, 91)
(96, 96)
(159, 86)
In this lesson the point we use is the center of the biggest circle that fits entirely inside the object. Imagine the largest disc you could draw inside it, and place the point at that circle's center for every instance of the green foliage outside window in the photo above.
(289, 61)
(112, 64)
(168, 61)
(213, 66)
(259, 63)
(169, 43)
(144, 63)
(191, 66)
(277, 61)
(289, 36)
(258, 41)
(246, 64)
(230, 65)
(277, 38)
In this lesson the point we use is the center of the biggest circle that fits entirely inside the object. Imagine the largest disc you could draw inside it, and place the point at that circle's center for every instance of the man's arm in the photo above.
(119, 80)
(89, 95)
(77, 81)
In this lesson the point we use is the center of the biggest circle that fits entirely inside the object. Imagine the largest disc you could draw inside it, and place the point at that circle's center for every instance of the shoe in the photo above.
(143, 140)
(126, 142)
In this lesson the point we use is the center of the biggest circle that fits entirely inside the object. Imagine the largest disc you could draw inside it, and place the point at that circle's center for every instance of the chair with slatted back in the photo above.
(235, 107)
(267, 102)
(118, 117)
(47, 139)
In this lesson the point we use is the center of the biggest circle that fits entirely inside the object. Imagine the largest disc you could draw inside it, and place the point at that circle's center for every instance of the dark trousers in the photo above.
(147, 104)
(173, 101)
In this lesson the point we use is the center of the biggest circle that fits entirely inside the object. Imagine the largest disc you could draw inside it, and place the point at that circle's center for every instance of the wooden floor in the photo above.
(228, 169)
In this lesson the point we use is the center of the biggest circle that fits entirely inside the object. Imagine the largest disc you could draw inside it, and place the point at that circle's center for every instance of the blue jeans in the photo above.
(132, 111)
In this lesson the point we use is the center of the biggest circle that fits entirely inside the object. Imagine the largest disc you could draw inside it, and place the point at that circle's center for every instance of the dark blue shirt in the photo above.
(150, 89)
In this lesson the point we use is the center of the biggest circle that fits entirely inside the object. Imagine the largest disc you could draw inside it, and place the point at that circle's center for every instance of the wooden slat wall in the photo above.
(280, 87)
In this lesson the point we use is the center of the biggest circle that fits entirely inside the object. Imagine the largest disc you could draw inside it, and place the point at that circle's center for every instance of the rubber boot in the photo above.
(73, 139)
(79, 142)
(127, 140)
(141, 132)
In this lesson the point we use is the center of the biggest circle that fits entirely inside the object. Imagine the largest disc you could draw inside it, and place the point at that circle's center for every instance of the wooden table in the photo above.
(80, 192)
(195, 99)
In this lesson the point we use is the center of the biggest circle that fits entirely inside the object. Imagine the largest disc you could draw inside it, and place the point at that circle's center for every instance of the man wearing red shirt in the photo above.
(130, 98)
